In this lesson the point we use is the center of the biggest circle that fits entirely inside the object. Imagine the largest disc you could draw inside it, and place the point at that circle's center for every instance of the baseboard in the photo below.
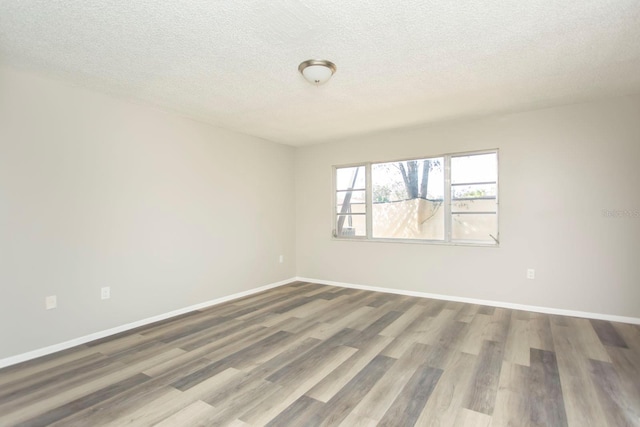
(13, 360)
(537, 309)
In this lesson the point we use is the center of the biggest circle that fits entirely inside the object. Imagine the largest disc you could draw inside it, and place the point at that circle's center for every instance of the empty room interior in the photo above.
(306, 213)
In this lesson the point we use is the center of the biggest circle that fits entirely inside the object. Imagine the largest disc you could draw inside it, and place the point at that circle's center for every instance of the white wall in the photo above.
(559, 168)
(100, 192)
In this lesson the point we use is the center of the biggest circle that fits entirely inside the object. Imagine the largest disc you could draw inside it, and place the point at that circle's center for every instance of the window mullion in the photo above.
(447, 198)
(369, 200)
(334, 206)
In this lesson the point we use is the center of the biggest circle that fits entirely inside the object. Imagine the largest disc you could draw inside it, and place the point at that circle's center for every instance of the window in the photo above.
(451, 198)
(351, 206)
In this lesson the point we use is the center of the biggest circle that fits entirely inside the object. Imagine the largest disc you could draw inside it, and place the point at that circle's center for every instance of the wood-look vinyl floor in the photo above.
(312, 355)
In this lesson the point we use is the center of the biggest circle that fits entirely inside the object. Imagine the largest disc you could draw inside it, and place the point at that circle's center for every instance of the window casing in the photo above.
(451, 198)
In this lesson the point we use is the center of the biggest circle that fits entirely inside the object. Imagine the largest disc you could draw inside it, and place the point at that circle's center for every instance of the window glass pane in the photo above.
(475, 227)
(409, 219)
(353, 208)
(407, 199)
(474, 168)
(473, 191)
(351, 219)
(352, 177)
(351, 225)
(408, 180)
(347, 197)
(477, 205)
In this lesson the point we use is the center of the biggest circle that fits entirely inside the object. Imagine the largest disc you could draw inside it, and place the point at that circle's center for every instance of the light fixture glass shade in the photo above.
(317, 71)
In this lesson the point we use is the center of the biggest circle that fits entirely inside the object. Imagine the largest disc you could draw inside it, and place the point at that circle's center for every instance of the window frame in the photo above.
(447, 203)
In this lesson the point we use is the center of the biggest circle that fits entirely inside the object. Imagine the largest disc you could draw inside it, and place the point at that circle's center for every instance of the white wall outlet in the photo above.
(50, 302)
(531, 273)
(281, 259)
(105, 292)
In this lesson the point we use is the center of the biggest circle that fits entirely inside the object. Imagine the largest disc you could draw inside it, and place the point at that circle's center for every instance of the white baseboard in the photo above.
(12, 360)
(547, 310)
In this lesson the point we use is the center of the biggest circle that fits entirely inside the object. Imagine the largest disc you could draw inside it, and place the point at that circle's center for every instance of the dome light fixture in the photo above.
(317, 71)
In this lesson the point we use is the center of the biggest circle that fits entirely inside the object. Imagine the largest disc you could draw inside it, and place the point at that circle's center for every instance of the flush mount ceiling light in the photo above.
(317, 71)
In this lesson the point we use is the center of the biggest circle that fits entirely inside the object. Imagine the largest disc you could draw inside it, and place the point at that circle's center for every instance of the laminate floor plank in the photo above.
(298, 350)
(547, 406)
(607, 333)
(374, 328)
(619, 410)
(60, 412)
(447, 344)
(343, 312)
(41, 392)
(578, 393)
(517, 344)
(402, 304)
(310, 309)
(499, 326)
(484, 383)
(296, 387)
(513, 402)
(467, 313)
(586, 340)
(299, 412)
(485, 309)
(115, 346)
(202, 325)
(115, 406)
(258, 392)
(305, 354)
(215, 336)
(398, 326)
(332, 383)
(630, 334)
(399, 345)
(40, 366)
(407, 407)
(15, 414)
(436, 326)
(232, 343)
(540, 332)
(447, 398)
(384, 392)
(351, 320)
(53, 376)
(343, 402)
(297, 325)
(171, 403)
(170, 326)
(161, 407)
(475, 334)
(257, 349)
(626, 364)
(356, 420)
(196, 414)
(468, 418)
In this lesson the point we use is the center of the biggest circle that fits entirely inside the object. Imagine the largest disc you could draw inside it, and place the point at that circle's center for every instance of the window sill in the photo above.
(417, 242)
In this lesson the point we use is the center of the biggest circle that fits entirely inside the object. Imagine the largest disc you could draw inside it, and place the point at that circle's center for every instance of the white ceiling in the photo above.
(400, 62)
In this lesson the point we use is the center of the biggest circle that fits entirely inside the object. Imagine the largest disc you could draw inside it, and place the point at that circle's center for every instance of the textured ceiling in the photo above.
(400, 62)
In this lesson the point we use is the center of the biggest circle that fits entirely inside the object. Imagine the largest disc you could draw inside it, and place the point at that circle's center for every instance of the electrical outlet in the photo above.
(281, 259)
(50, 302)
(531, 273)
(105, 292)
